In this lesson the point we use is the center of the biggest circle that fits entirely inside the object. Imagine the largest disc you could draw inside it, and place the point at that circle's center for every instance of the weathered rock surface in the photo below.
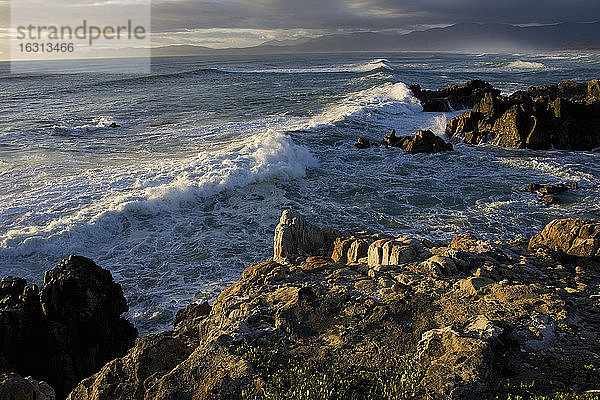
(382, 317)
(575, 91)
(453, 97)
(14, 387)
(67, 332)
(420, 142)
(294, 237)
(559, 116)
(575, 237)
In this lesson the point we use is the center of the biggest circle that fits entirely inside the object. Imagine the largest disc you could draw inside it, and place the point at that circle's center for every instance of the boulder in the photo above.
(572, 236)
(14, 387)
(453, 97)
(295, 237)
(459, 362)
(593, 91)
(397, 251)
(421, 142)
(549, 200)
(350, 249)
(69, 331)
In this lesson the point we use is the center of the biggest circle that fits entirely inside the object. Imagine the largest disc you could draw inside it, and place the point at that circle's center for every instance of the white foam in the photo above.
(160, 187)
(519, 64)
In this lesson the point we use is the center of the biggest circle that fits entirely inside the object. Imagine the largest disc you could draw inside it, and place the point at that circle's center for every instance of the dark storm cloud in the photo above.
(169, 15)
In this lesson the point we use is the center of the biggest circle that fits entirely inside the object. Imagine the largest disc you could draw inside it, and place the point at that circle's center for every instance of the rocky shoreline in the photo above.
(350, 315)
(563, 116)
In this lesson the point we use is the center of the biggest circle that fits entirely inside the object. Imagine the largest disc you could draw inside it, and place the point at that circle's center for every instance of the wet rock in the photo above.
(547, 193)
(563, 116)
(576, 237)
(549, 200)
(70, 330)
(420, 142)
(570, 90)
(453, 97)
(14, 387)
(362, 143)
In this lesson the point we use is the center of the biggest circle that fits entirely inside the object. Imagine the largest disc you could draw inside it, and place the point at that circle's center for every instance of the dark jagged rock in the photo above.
(70, 330)
(580, 92)
(453, 97)
(420, 142)
(547, 193)
(14, 387)
(362, 143)
(542, 122)
(401, 318)
(550, 200)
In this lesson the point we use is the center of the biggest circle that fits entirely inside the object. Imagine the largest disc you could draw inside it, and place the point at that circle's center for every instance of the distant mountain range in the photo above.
(471, 37)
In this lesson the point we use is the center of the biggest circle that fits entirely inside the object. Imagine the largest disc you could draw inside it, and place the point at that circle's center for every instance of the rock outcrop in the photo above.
(543, 122)
(67, 332)
(15, 387)
(379, 316)
(547, 194)
(420, 142)
(453, 97)
(575, 237)
(570, 90)
(294, 238)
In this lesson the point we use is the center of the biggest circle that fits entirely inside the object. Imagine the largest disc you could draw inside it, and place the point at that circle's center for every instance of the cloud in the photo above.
(173, 15)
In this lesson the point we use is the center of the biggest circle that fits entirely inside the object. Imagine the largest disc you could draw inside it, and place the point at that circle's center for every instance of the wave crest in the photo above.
(371, 66)
(391, 99)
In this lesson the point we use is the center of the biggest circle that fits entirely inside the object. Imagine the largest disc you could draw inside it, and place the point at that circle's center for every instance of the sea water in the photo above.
(186, 193)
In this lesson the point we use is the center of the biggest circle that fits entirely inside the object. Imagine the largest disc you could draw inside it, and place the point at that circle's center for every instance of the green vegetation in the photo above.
(300, 378)
(530, 391)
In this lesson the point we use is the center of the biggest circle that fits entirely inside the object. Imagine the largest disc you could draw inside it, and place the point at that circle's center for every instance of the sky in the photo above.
(243, 23)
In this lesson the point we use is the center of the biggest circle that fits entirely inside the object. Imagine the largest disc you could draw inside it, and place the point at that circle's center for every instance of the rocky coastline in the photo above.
(347, 315)
(563, 116)
(350, 315)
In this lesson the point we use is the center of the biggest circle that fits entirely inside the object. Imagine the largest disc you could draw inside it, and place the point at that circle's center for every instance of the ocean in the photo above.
(186, 193)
